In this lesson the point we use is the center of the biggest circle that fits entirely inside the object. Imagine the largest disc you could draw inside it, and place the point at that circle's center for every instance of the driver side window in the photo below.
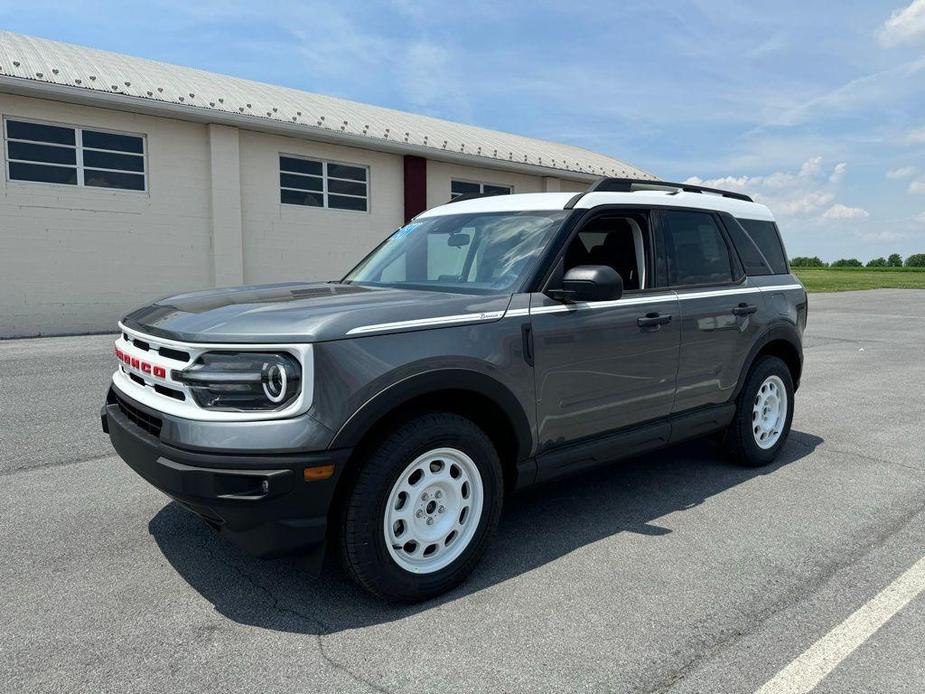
(616, 241)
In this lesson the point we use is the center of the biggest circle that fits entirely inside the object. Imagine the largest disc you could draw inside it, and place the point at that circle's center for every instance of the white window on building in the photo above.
(458, 188)
(323, 184)
(68, 155)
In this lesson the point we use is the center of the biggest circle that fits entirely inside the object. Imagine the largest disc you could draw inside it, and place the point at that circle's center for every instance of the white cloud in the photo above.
(917, 187)
(920, 217)
(882, 236)
(725, 183)
(866, 94)
(839, 211)
(916, 136)
(901, 172)
(799, 205)
(811, 166)
(790, 194)
(904, 24)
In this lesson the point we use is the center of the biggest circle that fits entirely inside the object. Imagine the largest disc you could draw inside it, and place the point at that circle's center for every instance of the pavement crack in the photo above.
(320, 627)
(57, 463)
(871, 458)
(795, 437)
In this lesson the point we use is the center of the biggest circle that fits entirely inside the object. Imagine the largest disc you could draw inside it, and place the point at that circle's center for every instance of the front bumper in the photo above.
(259, 501)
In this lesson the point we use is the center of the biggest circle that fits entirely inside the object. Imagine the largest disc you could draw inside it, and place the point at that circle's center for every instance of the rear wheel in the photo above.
(423, 508)
(764, 412)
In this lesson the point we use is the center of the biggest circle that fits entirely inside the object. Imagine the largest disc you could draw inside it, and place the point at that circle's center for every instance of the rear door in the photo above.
(718, 306)
(601, 366)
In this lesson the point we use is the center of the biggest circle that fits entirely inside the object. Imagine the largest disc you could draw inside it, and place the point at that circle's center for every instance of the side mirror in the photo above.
(589, 283)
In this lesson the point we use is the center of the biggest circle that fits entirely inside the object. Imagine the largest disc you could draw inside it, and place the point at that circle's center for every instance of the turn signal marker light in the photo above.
(319, 472)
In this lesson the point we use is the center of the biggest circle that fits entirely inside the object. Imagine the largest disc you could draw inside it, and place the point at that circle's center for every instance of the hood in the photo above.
(308, 312)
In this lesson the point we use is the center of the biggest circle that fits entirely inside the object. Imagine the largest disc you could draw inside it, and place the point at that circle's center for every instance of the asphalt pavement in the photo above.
(670, 572)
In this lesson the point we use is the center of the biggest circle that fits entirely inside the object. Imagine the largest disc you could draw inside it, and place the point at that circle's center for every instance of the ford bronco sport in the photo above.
(489, 345)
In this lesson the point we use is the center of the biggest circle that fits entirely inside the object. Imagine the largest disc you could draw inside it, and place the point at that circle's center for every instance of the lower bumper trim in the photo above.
(261, 503)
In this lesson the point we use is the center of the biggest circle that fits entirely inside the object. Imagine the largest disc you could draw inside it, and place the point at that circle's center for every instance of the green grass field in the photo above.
(824, 279)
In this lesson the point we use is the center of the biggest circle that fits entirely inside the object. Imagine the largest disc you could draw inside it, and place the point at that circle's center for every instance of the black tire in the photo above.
(739, 441)
(364, 550)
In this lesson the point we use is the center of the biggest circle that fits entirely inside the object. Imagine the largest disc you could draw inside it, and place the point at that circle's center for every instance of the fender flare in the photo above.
(779, 331)
(393, 397)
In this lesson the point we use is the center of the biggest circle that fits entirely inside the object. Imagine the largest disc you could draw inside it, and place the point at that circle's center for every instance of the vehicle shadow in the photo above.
(538, 526)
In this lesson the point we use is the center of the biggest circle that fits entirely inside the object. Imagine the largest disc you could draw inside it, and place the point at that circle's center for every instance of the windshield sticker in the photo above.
(404, 231)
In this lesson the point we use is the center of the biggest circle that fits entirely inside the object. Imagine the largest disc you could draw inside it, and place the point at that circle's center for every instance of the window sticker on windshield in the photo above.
(404, 231)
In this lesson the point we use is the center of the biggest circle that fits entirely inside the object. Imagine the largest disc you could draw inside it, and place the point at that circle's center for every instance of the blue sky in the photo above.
(817, 108)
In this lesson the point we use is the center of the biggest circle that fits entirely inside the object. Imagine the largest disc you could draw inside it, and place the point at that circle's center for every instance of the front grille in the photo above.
(149, 423)
(169, 392)
(175, 354)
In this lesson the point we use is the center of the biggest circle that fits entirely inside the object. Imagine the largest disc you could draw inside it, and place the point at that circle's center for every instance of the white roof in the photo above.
(52, 69)
(648, 198)
(519, 202)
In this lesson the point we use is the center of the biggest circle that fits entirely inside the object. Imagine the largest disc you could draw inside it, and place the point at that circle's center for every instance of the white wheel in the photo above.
(433, 510)
(769, 412)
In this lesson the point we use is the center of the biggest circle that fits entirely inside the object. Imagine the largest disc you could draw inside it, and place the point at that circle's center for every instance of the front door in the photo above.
(601, 366)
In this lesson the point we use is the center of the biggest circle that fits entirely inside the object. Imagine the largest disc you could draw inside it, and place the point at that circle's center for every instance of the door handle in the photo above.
(652, 320)
(744, 309)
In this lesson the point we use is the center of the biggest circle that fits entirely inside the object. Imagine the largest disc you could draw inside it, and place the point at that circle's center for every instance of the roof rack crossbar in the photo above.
(627, 185)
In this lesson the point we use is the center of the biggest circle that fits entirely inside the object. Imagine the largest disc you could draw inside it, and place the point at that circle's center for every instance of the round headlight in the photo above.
(242, 381)
(274, 382)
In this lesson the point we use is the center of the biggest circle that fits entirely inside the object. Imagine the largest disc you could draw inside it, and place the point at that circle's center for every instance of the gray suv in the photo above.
(489, 345)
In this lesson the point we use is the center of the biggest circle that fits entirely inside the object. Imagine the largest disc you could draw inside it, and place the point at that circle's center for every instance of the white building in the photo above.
(127, 179)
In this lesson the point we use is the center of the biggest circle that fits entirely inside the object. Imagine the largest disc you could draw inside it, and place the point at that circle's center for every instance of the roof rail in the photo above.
(627, 185)
(471, 196)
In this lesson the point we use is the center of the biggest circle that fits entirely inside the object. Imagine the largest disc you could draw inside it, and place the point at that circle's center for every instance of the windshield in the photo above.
(480, 253)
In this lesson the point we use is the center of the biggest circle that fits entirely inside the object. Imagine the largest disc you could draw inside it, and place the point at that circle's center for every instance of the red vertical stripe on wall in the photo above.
(415, 186)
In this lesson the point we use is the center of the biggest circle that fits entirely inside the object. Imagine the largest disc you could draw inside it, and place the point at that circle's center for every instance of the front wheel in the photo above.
(764, 412)
(423, 508)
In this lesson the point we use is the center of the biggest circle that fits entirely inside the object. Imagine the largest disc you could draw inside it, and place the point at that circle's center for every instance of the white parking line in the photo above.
(804, 673)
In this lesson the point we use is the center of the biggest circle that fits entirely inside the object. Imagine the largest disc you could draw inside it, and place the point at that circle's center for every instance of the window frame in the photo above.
(553, 277)
(737, 271)
(780, 242)
(481, 185)
(78, 148)
(324, 183)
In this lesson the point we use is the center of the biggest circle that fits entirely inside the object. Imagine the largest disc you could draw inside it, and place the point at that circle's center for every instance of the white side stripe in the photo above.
(428, 322)
(720, 292)
(594, 305)
(780, 287)
(560, 308)
(516, 312)
(654, 299)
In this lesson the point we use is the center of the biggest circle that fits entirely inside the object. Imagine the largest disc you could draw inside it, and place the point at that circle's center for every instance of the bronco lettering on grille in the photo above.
(143, 366)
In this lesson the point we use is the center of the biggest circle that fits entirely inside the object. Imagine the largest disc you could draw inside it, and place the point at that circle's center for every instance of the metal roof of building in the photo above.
(64, 71)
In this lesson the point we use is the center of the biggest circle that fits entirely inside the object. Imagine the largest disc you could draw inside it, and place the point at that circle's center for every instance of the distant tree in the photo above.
(877, 262)
(803, 261)
(895, 260)
(916, 260)
(847, 262)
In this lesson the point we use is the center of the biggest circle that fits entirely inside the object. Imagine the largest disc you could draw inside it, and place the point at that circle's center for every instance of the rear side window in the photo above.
(766, 237)
(697, 252)
(752, 258)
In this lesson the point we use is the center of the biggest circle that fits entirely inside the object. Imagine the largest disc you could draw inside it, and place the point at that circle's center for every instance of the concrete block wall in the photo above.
(292, 242)
(76, 259)
(73, 259)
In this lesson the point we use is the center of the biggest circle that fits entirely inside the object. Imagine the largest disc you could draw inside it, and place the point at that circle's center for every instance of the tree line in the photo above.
(894, 260)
